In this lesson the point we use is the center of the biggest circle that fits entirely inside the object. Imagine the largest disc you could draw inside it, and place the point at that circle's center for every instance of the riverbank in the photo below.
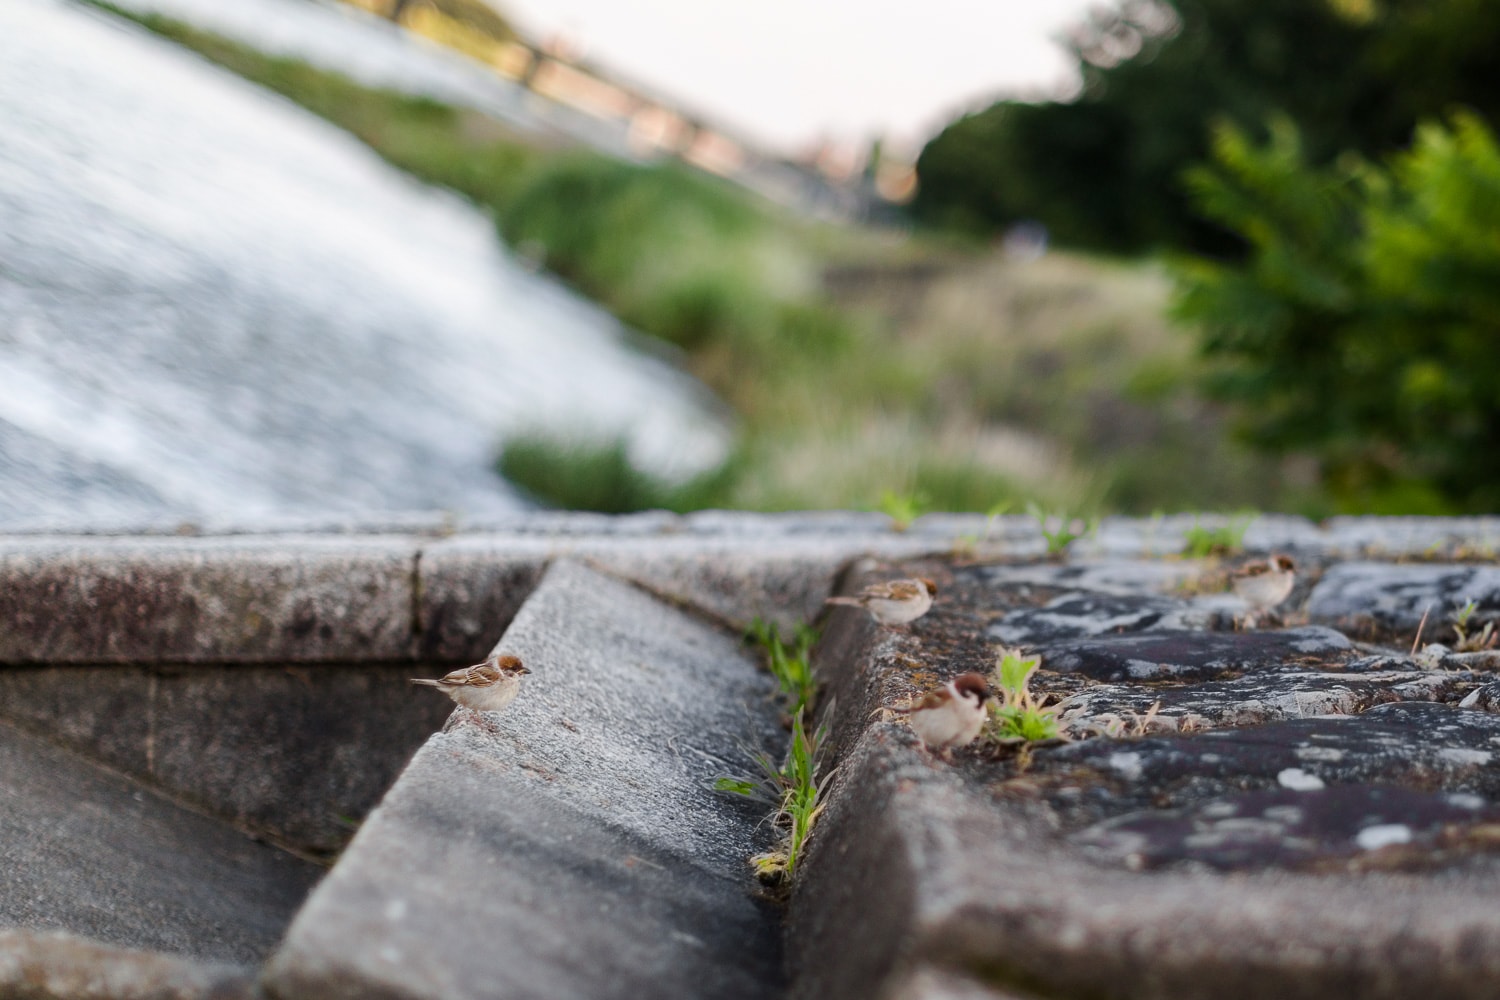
(863, 364)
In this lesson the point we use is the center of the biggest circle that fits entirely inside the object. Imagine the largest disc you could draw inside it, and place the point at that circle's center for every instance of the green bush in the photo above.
(1103, 170)
(669, 250)
(599, 476)
(1363, 326)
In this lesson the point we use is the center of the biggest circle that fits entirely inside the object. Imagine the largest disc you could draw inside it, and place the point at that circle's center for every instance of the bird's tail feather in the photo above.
(852, 602)
(425, 682)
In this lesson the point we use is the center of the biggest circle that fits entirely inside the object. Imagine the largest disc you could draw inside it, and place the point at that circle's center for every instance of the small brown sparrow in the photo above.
(952, 715)
(484, 687)
(894, 603)
(1264, 584)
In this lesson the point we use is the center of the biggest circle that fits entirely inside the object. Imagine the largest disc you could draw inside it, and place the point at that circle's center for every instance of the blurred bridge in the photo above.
(643, 125)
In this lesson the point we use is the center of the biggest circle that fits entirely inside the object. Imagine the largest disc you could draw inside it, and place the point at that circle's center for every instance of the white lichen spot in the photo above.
(1127, 764)
(1373, 838)
(1464, 800)
(1219, 810)
(1144, 669)
(1329, 754)
(1290, 815)
(1299, 780)
(395, 909)
(1462, 755)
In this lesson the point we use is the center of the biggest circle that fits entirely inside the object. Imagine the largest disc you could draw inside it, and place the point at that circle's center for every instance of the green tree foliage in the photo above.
(1363, 326)
(1104, 170)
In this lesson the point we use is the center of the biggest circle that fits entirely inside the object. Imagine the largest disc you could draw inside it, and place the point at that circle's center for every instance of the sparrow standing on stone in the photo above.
(1264, 584)
(952, 715)
(484, 687)
(895, 603)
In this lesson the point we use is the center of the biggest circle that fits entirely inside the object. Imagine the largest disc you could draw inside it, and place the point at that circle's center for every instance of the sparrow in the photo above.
(484, 687)
(894, 603)
(952, 715)
(1264, 584)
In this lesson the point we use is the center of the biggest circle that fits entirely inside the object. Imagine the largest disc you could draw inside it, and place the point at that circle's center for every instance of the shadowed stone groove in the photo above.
(118, 863)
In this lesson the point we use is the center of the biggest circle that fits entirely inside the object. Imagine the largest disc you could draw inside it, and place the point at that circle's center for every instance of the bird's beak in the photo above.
(523, 670)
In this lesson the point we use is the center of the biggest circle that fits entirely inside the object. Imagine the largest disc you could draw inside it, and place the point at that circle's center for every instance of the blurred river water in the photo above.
(214, 305)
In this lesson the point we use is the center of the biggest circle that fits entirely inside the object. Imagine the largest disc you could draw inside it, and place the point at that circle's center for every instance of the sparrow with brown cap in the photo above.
(897, 602)
(952, 715)
(484, 687)
(1263, 584)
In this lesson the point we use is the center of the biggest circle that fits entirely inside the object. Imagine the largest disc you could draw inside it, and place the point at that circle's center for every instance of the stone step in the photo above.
(571, 845)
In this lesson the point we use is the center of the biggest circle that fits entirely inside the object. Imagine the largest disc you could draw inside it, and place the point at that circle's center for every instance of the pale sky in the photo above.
(790, 72)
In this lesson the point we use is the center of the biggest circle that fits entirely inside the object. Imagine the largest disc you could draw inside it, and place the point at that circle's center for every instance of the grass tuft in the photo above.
(791, 666)
(1225, 540)
(1019, 714)
(794, 793)
(1061, 529)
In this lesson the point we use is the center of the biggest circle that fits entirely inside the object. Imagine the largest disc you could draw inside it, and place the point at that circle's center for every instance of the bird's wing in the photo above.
(932, 699)
(479, 675)
(894, 590)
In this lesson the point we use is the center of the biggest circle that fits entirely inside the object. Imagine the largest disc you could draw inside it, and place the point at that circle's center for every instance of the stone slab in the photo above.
(111, 860)
(570, 846)
(1345, 826)
(1085, 613)
(1195, 655)
(59, 966)
(1266, 696)
(195, 600)
(1422, 745)
(473, 584)
(1420, 537)
(1389, 600)
(299, 753)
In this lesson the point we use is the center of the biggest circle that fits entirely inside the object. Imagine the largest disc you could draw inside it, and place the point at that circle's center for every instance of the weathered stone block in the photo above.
(226, 600)
(1348, 855)
(471, 588)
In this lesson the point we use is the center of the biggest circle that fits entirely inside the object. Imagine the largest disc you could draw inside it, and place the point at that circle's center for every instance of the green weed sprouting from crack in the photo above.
(791, 666)
(903, 508)
(1018, 714)
(1067, 531)
(1477, 643)
(793, 792)
(1225, 540)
